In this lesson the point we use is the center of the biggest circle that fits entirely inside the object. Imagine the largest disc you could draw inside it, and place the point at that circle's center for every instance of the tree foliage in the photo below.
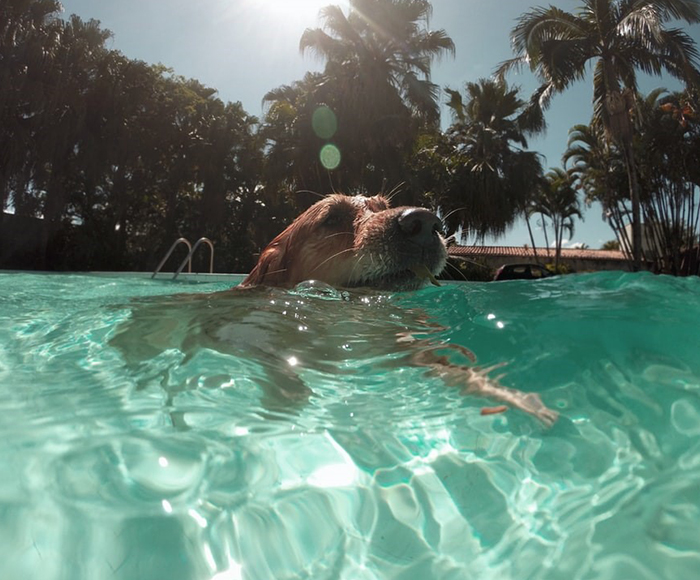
(488, 175)
(376, 81)
(116, 157)
(557, 199)
(618, 38)
(667, 149)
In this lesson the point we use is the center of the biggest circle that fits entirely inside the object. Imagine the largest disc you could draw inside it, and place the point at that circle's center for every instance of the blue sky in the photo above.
(244, 48)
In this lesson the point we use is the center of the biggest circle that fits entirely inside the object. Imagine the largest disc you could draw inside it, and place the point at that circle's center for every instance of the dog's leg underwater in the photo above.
(475, 381)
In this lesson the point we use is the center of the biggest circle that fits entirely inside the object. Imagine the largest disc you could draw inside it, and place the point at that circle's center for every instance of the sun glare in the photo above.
(291, 12)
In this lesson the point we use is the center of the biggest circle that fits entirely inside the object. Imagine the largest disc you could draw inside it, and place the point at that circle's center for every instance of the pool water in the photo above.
(158, 430)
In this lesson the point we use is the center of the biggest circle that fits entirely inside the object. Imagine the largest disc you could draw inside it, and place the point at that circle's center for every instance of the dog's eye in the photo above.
(333, 220)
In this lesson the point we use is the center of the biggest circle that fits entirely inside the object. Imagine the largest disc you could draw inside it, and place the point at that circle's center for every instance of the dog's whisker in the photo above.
(339, 234)
(278, 271)
(340, 253)
(451, 213)
(456, 269)
(395, 190)
(316, 193)
(355, 266)
(330, 180)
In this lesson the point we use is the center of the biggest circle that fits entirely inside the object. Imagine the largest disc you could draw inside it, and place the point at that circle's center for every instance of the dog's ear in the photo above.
(271, 268)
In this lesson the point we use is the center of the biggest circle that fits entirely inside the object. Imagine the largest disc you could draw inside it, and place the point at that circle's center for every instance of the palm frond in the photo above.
(321, 44)
(512, 64)
(686, 10)
(335, 20)
(456, 103)
(422, 96)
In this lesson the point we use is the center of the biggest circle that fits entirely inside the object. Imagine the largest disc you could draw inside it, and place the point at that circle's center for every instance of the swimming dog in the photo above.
(361, 241)
(343, 242)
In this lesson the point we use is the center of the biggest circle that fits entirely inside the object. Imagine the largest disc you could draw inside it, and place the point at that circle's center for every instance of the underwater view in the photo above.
(154, 429)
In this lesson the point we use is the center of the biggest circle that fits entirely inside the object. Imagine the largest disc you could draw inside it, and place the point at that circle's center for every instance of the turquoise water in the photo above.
(147, 433)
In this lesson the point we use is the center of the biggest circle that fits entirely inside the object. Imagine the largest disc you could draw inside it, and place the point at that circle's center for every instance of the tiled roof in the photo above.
(527, 252)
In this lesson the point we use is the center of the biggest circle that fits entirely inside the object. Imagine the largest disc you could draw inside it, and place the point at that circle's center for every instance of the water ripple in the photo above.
(149, 432)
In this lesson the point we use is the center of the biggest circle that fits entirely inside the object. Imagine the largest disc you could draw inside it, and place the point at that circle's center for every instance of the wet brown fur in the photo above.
(349, 241)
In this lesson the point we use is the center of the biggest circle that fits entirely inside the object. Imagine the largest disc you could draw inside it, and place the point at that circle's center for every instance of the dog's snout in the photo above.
(419, 224)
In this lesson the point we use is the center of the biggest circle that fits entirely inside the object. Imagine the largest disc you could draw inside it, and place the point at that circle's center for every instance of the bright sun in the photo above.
(292, 12)
(274, 27)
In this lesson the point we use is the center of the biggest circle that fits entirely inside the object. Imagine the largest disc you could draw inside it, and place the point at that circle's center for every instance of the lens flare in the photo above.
(330, 156)
(324, 122)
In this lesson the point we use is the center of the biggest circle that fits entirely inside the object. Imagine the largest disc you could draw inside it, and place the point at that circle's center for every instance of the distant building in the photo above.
(650, 249)
(575, 260)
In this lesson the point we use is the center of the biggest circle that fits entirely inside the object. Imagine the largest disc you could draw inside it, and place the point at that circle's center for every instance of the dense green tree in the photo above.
(62, 119)
(619, 38)
(292, 161)
(28, 35)
(377, 82)
(492, 175)
(114, 158)
(613, 245)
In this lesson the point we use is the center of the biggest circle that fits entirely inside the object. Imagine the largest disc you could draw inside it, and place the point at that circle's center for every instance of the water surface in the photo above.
(149, 433)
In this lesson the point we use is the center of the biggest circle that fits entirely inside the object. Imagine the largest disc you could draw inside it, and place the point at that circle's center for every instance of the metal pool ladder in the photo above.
(188, 259)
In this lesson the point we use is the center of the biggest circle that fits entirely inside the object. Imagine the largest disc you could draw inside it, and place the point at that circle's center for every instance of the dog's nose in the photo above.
(419, 224)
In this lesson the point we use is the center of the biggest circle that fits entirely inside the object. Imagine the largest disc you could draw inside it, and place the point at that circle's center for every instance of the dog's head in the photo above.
(355, 241)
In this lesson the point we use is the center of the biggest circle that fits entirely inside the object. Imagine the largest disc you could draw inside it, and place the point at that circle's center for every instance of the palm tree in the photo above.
(558, 201)
(384, 43)
(378, 60)
(533, 206)
(668, 146)
(620, 37)
(599, 172)
(532, 237)
(493, 173)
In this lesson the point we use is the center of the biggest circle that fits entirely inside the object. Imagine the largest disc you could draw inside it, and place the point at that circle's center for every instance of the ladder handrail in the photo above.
(192, 251)
(170, 251)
